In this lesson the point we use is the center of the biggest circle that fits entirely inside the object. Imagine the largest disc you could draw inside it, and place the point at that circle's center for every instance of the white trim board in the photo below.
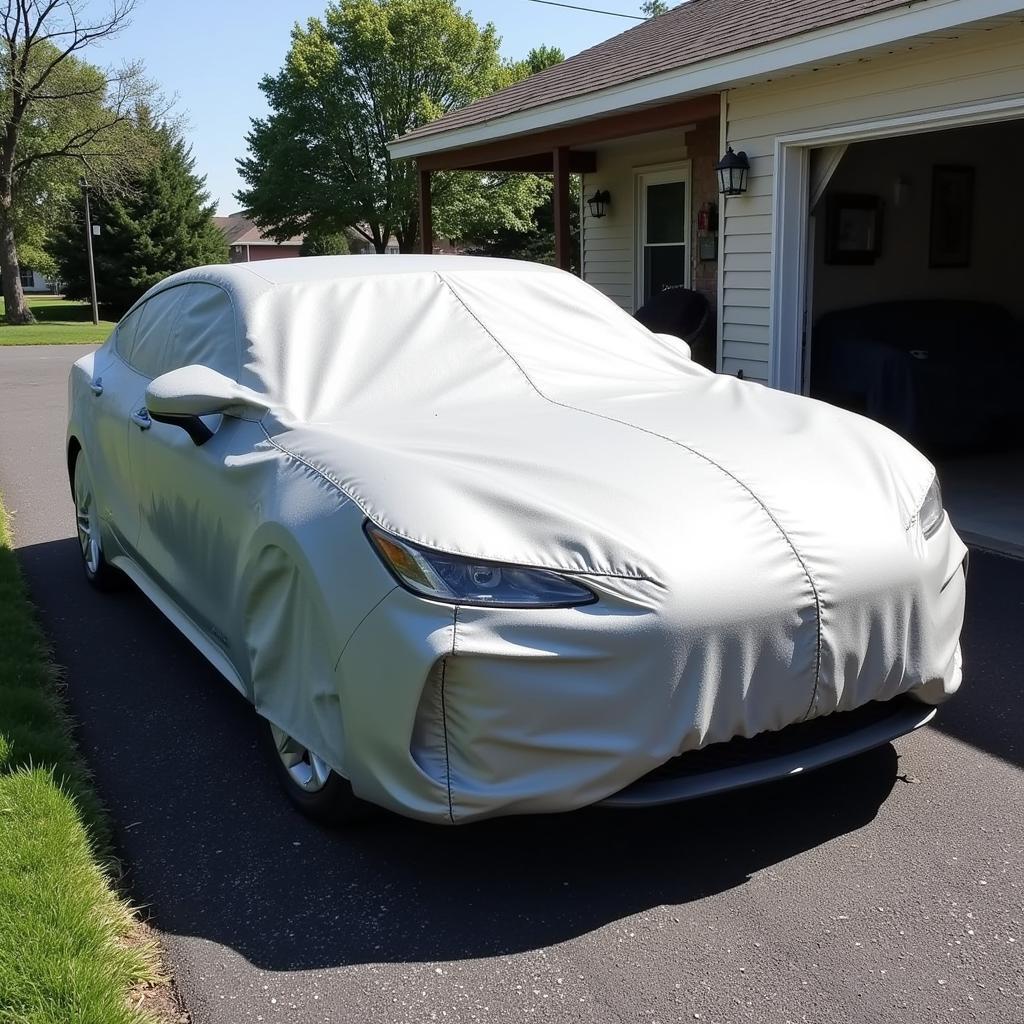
(835, 41)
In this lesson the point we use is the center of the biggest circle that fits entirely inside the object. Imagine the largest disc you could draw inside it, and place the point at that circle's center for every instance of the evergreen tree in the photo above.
(163, 223)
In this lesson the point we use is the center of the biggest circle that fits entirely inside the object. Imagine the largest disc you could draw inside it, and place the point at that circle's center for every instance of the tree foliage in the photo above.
(652, 8)
(162, 223)
(365, 73)
(334, 244)
(62, 118)
(535, 241)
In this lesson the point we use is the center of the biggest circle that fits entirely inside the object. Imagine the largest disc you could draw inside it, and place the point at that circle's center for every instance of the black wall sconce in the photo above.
(732, 173)
(599, 203)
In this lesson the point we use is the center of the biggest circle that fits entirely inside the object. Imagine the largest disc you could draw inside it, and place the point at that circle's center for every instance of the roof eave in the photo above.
(846, 39)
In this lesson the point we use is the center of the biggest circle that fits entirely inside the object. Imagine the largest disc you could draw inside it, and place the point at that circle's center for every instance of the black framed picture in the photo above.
(952, 219)
(853, 229)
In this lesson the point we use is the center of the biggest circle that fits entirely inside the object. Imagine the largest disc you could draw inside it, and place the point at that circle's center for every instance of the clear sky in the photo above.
(210, 54)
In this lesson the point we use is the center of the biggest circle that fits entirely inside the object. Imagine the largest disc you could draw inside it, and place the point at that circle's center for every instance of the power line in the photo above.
(589, 10)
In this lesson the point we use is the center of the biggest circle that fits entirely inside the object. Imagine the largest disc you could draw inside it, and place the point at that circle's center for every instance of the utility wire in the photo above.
(589, 10)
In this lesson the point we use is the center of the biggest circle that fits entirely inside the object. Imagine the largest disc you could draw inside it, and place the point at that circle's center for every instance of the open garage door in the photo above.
(915, 306)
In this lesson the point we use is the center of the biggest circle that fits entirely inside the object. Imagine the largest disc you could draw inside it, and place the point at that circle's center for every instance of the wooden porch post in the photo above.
(561, 207)
(426, 214)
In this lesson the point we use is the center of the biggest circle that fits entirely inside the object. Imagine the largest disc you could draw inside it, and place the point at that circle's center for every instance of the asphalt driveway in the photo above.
(889, 888)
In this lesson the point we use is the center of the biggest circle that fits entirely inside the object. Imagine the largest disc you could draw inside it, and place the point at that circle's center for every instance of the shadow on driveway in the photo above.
(217, 852)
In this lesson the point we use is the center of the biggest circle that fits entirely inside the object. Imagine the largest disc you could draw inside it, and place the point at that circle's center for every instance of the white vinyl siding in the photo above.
(977, 67)
(610, 242)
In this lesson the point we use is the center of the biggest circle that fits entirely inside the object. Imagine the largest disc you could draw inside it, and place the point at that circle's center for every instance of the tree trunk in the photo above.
(16, 308)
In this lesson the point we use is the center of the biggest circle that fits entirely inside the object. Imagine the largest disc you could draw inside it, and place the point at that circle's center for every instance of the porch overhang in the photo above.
(559, 151)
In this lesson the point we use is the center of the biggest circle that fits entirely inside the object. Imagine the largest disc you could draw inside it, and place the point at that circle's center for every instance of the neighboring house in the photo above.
(360, 246)
(866, 97)
(246, 242)
(34, 283)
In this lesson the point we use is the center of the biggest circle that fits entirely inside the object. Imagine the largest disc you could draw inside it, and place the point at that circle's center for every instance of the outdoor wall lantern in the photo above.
(732, 173)
(599, 203)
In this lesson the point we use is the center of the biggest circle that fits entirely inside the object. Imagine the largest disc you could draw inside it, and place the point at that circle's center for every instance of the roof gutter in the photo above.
(917, 18)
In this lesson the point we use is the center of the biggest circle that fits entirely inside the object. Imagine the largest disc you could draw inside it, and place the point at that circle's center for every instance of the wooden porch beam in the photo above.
(618, 126)
(560, 197)
(580, 162)
(426, 212)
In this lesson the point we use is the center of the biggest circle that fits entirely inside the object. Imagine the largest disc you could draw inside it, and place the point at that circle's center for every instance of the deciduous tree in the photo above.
(62, 118)
(364, 74)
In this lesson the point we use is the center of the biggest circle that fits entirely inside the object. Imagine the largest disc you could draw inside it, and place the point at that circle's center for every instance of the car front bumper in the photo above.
(452, 715)
(795, 750)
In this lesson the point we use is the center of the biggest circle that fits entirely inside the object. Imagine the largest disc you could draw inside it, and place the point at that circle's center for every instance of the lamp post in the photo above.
(86, 187)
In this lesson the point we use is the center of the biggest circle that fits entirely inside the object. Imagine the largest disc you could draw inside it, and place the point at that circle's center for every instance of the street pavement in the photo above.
(887, 888)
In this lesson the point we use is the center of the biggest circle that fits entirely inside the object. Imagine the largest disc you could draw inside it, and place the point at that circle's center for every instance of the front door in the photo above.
(663, 231)
(116, 391)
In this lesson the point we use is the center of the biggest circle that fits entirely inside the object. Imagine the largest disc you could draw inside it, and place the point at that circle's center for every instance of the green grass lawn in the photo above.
(70, 950)
(58, 322)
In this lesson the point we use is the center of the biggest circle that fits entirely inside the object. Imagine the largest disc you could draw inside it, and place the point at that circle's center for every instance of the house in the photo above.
(35, 283)
(246, 242)
(881, 142)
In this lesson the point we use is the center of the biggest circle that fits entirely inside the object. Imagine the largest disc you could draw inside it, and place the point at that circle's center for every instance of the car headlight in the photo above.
(455, 579)
(930, 514)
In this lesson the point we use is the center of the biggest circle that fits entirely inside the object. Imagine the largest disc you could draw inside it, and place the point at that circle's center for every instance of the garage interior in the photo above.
(916, 293)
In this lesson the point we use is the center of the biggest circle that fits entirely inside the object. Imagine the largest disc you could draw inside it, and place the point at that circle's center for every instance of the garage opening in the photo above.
(915, 306)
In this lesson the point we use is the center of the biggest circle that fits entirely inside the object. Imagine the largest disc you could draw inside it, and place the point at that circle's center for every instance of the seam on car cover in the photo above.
(444, 716)
(693, 451)
(321, 472)
(361, 621)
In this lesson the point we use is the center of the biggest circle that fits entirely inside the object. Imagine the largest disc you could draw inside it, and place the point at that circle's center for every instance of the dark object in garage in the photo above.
(945, 374)
(687, 315)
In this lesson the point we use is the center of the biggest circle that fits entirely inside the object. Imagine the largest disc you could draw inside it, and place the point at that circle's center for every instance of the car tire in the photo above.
(98, 571)
(310, 784)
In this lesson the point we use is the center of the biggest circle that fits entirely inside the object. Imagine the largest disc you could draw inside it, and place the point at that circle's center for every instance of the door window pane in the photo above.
(666, 212)
(664, 267)
(149, 355)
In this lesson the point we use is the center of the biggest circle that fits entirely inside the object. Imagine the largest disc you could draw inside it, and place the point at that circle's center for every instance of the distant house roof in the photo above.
(239, 230)
(690, 34)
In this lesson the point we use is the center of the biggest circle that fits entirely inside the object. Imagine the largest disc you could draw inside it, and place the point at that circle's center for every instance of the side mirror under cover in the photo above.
(182, 396)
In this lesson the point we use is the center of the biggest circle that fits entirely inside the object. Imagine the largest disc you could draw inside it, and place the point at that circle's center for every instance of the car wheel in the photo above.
(311, 784)
(98, 571)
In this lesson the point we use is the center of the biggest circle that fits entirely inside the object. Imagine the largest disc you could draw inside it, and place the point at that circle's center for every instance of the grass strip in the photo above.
(58, 322)
(69, 948)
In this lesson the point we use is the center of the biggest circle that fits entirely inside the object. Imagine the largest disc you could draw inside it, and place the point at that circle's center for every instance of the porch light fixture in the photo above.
(599, 203)
(732, 173)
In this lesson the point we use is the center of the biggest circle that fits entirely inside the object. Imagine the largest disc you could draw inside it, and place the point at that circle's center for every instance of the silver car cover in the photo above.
(757, 556)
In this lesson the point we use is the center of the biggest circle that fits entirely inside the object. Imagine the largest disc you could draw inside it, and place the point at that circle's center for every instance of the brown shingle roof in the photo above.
(694, 32)
(237, 229)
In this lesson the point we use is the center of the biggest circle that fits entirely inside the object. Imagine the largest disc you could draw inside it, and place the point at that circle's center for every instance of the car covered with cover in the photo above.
(473, 541)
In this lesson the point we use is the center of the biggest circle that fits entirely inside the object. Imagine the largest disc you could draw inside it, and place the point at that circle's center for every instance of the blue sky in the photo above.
(212, 53)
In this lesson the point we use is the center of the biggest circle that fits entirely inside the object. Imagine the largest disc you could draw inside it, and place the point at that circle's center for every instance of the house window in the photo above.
(28, 277)
(391, 250)
(663, 231)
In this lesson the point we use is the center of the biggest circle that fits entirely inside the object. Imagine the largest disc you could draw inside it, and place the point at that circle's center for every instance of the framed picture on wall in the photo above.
(952, 220)
(853, 229)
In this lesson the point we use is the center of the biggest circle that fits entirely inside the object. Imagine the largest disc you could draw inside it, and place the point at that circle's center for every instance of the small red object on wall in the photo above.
(707, 218)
